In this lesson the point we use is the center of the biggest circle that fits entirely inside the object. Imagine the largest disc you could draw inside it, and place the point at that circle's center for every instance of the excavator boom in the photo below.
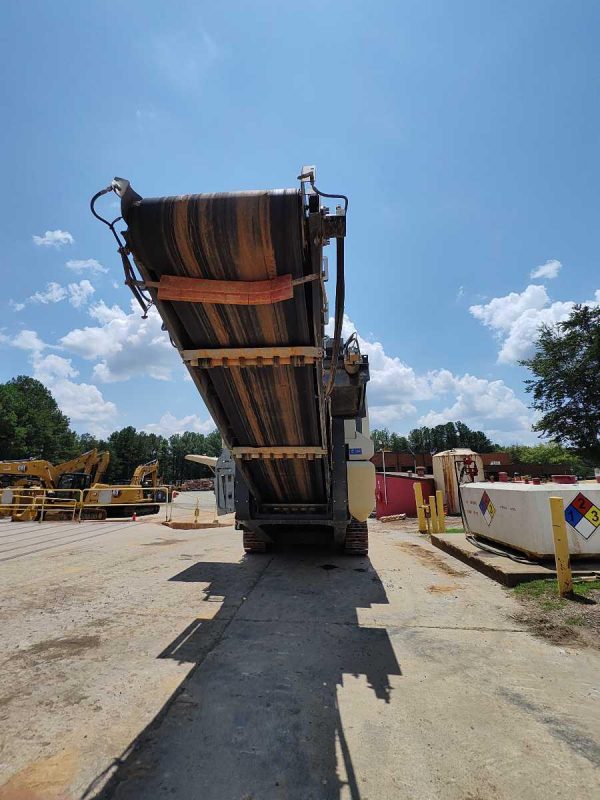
(143, 471)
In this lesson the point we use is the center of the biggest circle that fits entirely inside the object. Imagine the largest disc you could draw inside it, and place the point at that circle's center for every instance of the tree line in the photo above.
(32, 426)
(433, 440)
(564, 385)
(456, 434)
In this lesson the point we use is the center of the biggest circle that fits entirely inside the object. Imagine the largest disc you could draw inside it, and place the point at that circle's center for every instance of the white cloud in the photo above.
(478, 401)
(396, 389)
(517, 317)
(169, 425)
(29, 340)
(502, 312)
(50, 368)
(56, 239)
(83, 403)
(86, 265)
(54, 294)
(548, 270)
(16, 306)
(80, 293)
(460, 293)
(124, 345)
(77, 293)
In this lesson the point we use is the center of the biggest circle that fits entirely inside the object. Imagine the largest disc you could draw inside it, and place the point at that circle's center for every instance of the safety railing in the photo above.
(96, 503)
(28, 504)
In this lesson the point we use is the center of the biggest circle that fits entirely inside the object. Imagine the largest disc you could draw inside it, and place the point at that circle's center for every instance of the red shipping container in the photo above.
(400, 494)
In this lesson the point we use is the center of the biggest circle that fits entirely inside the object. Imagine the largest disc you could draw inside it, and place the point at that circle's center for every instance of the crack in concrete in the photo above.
(355, 624)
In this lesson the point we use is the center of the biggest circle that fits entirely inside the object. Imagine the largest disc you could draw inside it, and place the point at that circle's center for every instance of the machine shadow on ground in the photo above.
(258, 715)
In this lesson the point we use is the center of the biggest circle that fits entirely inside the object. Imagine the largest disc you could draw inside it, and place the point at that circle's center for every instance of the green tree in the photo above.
(566, 383)
(398, 444)
(382, 438)
(546, 453)
(31, 424)
(428, 440)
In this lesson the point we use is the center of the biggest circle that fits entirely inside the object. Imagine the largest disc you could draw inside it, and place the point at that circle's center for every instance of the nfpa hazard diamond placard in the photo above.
(582, 515)
(487, 508)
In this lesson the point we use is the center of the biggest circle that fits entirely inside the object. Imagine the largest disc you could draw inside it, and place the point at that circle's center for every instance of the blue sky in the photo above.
(465, 134)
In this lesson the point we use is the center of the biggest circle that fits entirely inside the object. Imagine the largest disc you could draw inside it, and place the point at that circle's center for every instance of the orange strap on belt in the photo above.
(236, 293)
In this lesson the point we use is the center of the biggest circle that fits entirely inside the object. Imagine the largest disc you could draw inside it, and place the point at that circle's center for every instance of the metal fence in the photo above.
(96, 503)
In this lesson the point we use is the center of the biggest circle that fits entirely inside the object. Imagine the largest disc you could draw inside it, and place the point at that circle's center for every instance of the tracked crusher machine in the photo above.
(239, 281)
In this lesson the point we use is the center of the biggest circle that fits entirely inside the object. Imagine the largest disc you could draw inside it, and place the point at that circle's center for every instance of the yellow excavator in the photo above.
(80, 478)
(39, 472)
(31, 474)
(101, 500)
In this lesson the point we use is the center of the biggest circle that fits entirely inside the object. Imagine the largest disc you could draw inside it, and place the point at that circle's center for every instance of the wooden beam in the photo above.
(296, 356)
(279, 451)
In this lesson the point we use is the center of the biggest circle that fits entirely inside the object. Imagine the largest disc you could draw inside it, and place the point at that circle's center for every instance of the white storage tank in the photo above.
(518, 515)
(447, 466)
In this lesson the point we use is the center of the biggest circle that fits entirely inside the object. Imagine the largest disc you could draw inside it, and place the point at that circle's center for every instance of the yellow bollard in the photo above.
(433, 514)
(439, 496)
(561, 548)
(420, 509)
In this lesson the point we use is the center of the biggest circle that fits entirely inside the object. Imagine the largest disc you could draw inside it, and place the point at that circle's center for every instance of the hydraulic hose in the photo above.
(340, 292)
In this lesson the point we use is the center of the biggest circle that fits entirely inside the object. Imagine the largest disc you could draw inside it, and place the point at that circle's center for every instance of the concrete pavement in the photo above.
(143, 662)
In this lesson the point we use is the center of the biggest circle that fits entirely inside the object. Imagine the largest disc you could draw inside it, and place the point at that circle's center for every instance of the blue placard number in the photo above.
(356, 451)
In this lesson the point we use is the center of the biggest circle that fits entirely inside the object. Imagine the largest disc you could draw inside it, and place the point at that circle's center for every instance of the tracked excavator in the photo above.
(31, 474)
(62, 487)
(102, 500)
(38, 472)
(239, 281)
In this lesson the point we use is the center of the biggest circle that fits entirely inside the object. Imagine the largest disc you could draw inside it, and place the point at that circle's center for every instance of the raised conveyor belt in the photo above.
(246, 236)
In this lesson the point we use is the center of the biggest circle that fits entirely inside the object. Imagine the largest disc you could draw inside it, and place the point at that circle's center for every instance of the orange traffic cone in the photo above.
(134, 517)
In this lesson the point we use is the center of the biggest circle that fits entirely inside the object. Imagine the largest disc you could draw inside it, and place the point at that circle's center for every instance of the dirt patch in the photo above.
(44, 779)
(62, 647)
(430, 559)
(439, 588)
(559, 620)
(193, 526)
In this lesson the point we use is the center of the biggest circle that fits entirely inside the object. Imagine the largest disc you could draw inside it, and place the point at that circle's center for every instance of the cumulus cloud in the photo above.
(54, 294)
(56, 239)
(548, 270)
(29, 340)
(16, 306)
(516, 318)
(124, 345)
(78, 294)
(169, 425)
(478, 400)
(85, 265)
(83, 403)
(396, 390)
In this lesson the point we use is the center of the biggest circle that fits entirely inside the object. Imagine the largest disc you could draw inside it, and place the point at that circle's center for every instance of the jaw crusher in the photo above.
(238, 279)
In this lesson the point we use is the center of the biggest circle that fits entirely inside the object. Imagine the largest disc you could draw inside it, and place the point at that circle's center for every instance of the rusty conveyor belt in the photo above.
(247, 236)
